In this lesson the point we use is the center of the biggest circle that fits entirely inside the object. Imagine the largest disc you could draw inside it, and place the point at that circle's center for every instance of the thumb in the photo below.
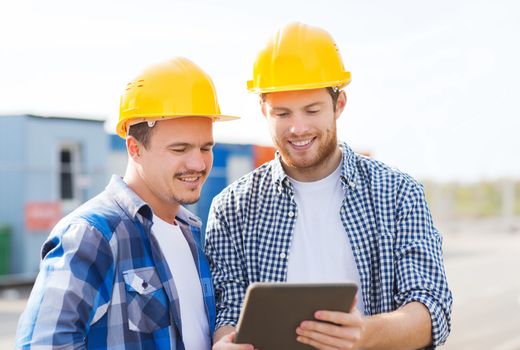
(354, 303)
(231, 336)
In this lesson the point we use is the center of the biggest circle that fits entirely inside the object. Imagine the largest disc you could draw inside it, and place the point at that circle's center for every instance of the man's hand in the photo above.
(408, 327)
(333, 329)
(226, 342)
(346, 332)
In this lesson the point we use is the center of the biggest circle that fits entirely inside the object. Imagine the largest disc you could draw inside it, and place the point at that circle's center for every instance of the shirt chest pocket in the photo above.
(146, 301)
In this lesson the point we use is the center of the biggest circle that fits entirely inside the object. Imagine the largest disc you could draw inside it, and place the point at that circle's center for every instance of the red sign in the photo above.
(42, 215)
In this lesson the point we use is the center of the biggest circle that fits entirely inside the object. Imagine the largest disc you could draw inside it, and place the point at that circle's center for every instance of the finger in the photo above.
(314, 343)
(230, 346)
(342, 318)
(227, 343)
(350, 335)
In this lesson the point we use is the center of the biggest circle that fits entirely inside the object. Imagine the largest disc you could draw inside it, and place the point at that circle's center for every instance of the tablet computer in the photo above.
(272, 311)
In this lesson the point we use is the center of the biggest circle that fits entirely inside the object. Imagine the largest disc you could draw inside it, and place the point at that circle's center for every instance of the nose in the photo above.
(196, 161)
(298, 125)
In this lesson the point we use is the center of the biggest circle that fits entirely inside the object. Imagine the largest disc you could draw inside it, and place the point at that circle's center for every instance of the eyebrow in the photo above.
(314, 104)
(189, 145)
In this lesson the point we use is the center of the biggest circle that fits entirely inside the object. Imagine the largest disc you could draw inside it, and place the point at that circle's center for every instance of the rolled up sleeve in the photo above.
(419, 263)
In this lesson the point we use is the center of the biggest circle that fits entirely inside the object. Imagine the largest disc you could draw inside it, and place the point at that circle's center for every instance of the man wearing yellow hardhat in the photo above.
(126, 270)
(321, 213)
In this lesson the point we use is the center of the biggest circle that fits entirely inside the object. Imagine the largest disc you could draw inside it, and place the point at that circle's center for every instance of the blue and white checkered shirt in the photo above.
(104, 282)
(385, 216)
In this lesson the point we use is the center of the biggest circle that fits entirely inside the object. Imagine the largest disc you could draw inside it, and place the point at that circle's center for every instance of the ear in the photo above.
(133, 148)
(340, 103)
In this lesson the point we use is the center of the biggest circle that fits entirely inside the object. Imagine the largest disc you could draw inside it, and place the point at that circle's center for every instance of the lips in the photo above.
(189, 179)
(302, 144)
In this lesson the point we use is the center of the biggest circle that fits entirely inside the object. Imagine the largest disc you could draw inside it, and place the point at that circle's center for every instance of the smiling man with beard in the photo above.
(126, 270)
(319, 212)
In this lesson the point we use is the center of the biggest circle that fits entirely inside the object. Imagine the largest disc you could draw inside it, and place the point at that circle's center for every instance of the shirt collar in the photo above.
(280, 178)
(127, 199)
(187, 217)
(349, 174)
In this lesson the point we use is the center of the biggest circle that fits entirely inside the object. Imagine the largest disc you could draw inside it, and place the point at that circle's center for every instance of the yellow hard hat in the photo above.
(298, 57)
(173, 89)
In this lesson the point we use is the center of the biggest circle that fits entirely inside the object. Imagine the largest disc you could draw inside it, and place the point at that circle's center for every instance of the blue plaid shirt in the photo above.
(104, 283)
(385, 216)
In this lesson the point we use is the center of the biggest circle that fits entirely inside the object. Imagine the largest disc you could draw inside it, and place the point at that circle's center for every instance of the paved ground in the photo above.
(12, 303)
(483, 272)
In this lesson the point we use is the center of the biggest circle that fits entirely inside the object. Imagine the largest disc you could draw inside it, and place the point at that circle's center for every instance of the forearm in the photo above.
(222, 332)
(409, 327)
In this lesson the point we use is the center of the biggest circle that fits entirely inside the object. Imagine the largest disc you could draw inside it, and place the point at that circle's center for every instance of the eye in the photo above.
(313, 111)
(206, 149)
(178, 149)
(282, 114)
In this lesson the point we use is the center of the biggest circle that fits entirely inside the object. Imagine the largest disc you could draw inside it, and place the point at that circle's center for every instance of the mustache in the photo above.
(191, 173)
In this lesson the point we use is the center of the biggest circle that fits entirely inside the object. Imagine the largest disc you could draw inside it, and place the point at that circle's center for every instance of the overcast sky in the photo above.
(434, 91)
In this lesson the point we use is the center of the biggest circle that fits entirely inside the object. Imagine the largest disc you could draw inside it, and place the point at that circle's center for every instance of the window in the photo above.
(69, 164)
(66, 175)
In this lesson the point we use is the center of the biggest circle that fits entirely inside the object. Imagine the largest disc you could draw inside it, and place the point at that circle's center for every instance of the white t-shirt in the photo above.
(176, 250)
(320, 249)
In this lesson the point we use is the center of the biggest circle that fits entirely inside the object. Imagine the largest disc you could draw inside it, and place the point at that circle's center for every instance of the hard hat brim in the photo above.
(123, 125)
(294, 87)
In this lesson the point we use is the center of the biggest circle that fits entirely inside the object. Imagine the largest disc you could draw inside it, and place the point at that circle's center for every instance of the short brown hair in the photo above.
(141, 132)
(332, 90)
(334, 93)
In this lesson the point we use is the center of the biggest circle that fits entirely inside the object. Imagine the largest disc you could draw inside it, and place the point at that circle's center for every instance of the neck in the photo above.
(160, 206)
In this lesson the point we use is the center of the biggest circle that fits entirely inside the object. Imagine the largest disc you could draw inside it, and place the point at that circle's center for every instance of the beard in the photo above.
(327, 144)
(184, 200)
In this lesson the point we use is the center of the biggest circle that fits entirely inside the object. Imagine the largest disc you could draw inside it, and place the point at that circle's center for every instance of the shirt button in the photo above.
(291, 214)
(352, 184)
(282, 255)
